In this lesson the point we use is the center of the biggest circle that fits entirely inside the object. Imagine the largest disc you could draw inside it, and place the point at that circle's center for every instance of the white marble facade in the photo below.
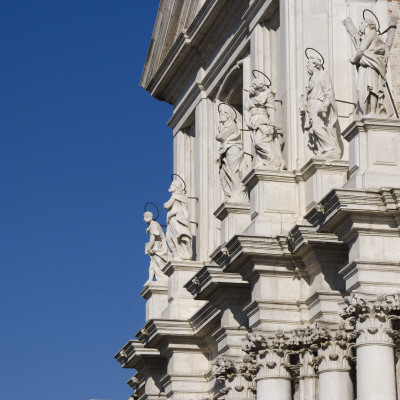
(284, 282)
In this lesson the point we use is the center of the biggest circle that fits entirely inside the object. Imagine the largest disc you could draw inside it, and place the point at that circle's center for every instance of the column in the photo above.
(334, 357)
(272, 354)
(372, 315)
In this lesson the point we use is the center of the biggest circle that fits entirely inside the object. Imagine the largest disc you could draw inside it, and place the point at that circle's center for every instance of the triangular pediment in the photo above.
(173, 17)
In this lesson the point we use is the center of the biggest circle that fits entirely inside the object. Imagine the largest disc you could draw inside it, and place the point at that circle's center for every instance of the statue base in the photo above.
(274, 201)
(156, 296)
(181, 304)
(374, 153)
(320, 176)
(234, 217)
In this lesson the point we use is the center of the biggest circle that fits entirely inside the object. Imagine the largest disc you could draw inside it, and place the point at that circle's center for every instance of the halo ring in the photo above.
(262, 73)
(311, 48)
(219, 109)
(184, 183)
(145, 209)
(376, 18)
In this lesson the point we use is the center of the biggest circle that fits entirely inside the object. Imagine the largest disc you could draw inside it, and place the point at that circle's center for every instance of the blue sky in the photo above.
(82, 149)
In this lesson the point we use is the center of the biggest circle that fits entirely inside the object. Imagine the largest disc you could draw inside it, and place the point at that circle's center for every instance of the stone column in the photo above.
(333, 360)
(372, 316)
(272, 354)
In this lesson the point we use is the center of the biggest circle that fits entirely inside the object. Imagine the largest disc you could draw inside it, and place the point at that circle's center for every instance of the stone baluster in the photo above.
(272, 356)
(238, 378)
(372, 317)
(334, 348)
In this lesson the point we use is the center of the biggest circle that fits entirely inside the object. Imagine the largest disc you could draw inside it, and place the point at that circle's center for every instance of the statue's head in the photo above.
(257, 86)
(367, 24)
(226, 113)
(177, 186)
(314, 63)
(148, 216)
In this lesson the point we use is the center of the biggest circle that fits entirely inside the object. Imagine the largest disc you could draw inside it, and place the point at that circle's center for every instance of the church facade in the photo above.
(278, 275)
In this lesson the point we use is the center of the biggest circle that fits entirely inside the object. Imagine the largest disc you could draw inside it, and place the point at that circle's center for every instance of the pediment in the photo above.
(173, 17)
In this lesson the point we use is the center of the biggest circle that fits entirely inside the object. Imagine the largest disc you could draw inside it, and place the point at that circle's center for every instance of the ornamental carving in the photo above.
(271, 354)
(372, 316)
(237, 377)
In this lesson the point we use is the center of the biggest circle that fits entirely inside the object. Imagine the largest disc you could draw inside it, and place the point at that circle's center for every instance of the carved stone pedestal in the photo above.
(181, 304)
(274, 202)
(234, 217)
(320, 176)
(156, 295)
(374, 153)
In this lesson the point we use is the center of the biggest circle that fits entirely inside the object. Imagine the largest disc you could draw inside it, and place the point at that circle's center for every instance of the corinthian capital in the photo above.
(271, 353)
(237, 377)
(372, 316)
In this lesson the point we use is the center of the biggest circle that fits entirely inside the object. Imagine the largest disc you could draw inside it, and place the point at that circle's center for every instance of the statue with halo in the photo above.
(156, 248)
(371, 60)
(260, 117)
(178, 234)
(319, 110)
(230, 155)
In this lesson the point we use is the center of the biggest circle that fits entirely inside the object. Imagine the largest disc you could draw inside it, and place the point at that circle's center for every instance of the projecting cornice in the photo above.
(208, 31)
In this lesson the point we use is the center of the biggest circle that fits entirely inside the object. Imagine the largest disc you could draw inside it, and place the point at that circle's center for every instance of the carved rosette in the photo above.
(334, 347)
(271, 354)
(372, 316)
(237, 377)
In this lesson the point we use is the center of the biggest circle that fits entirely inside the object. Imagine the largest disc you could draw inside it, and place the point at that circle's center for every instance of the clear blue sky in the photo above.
(82, 149)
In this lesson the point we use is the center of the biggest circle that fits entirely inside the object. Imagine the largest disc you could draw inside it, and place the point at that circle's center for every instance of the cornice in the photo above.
(134, 352)
(338, 203)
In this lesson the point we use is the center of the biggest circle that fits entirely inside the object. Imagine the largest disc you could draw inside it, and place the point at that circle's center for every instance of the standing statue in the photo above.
(260, 117)
(371, 59)
(230, 156)
(179, 237)
(156, 248)
(319, 110)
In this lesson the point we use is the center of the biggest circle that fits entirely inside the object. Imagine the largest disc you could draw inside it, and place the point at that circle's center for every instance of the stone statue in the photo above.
(178, 235)
(156, 248)
(260, 117)
(319, 111)
(230, 156)
(371, 59)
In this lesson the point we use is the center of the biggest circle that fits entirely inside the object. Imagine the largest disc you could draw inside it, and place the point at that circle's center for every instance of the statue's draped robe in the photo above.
(266, 143)
(178, 234)
(160, 248)
(323, 135)
(231, 162)
(372, 68)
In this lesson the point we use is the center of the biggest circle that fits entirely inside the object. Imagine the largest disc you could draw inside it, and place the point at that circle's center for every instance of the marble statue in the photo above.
(371, 60)
(178, 235)
(260, 117)
(230, 156)
(156, 248)
(319, 111)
